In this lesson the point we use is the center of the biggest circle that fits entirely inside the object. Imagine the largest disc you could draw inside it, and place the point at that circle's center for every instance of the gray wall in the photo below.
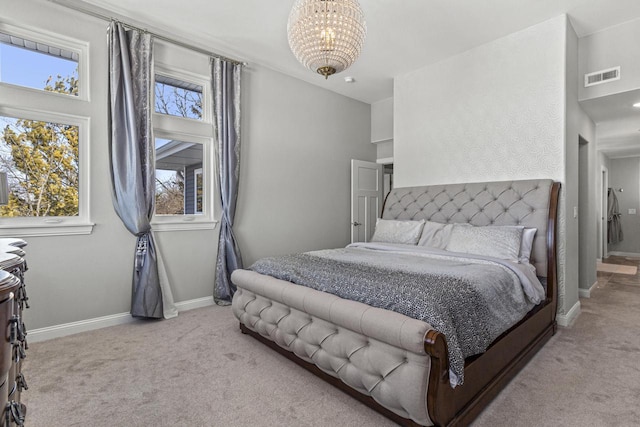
(298, 141)
(454, 121)
(603, 163)
(384, 150)
(580, 184)
(625, 174)
(607, 49)
(295, 177)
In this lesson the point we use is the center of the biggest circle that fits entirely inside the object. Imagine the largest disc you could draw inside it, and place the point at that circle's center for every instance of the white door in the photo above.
(366, 198)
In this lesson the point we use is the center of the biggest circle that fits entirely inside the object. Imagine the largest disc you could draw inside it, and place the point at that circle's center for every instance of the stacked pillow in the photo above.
(392, 231)
(509, 242)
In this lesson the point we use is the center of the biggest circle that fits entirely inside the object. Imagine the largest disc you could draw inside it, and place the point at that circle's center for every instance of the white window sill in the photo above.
(39, 230)
(183, 224)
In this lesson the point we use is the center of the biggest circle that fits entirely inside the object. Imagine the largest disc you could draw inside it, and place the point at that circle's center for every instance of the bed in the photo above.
(399, 365)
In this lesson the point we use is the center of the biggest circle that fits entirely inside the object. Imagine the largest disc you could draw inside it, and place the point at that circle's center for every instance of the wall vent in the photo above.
(603, 76)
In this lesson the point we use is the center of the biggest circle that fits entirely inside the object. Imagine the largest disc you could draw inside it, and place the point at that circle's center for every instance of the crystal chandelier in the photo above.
(326, 36)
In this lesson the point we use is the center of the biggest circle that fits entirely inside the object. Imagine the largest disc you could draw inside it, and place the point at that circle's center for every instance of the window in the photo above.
(41, 162)
(178, 98)
(43, 133)
(183, 149)
(176, 185)
(38, 65)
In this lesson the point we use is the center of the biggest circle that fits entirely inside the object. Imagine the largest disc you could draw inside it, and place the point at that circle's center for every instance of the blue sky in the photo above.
(31, 69)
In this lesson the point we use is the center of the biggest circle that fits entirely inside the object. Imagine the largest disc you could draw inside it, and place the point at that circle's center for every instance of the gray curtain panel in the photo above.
(226, 110)
(131, 149)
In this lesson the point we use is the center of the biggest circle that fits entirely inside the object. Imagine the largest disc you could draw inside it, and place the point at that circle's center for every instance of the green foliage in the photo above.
(42, 163)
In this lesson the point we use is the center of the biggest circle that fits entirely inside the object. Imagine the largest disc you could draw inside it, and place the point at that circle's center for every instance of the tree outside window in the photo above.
(41, 160)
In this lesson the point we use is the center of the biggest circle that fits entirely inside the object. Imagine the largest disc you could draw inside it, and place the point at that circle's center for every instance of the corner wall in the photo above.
(496, 112)
(581, 231)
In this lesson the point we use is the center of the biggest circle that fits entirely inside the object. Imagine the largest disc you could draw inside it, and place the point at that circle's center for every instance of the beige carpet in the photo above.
(617, 268)
(198, 370)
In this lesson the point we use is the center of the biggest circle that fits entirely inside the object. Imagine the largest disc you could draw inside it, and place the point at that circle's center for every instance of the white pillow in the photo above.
(528, 234)
(497, 242)
(435, 235)
(392, 231)
(526, 245)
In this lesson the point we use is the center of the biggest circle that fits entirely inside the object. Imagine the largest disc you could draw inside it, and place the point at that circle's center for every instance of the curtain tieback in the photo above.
(141, 251)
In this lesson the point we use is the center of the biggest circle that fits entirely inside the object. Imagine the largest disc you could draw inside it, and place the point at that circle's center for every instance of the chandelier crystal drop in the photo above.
(326, 36)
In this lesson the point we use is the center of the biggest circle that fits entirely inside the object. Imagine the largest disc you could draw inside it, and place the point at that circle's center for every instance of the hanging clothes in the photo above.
(614, 226)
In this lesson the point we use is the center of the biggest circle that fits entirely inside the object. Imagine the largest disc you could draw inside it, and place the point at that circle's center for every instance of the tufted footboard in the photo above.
(377, 352)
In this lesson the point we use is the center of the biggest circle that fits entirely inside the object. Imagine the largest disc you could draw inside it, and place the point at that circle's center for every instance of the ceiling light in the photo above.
(326, 36)
(637, 105)
(349, 79)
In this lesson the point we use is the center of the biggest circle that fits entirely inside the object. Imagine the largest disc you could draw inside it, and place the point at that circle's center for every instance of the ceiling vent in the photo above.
(604, 76)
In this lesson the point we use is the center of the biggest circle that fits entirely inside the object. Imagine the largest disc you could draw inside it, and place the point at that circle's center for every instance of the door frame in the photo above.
(604, 175)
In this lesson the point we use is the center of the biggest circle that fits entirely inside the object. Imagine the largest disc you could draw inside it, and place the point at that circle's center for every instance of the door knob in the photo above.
(356, 223)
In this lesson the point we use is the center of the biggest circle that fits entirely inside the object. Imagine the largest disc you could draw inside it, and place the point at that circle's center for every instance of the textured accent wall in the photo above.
(496, 112)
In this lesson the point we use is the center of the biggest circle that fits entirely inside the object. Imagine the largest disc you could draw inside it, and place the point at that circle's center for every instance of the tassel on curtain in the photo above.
(226, 110)
(131, 150)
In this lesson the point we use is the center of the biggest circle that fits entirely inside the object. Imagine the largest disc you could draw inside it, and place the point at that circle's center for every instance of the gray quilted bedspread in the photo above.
(470, 301)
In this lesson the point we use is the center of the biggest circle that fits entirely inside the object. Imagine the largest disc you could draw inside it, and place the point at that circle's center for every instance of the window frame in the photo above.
(197, 172)
(55, 225)
(59, 41)
(187, 77)
(18, 101)
(196, 221)
(188, 130)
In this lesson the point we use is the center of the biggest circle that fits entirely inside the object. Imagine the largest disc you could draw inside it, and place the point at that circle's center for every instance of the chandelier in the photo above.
(326, 36)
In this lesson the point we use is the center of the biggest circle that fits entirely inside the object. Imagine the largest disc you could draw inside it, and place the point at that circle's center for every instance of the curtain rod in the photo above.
(155, 35)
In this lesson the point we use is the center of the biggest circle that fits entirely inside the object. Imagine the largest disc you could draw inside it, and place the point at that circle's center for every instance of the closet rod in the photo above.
(155, 35)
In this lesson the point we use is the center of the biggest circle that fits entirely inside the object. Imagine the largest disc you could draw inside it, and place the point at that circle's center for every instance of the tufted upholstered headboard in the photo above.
(525, 202)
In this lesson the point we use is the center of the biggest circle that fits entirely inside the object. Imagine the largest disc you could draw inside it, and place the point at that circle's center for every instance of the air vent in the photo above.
(604, 76)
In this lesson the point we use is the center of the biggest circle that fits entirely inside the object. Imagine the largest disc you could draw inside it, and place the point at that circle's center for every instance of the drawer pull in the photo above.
(18, 352)
(22, 383)
(13, 329)
(22, 297)
(13, 414)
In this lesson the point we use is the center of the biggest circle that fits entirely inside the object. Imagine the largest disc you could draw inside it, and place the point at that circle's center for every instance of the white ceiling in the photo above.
(403, 35)
(618, 123)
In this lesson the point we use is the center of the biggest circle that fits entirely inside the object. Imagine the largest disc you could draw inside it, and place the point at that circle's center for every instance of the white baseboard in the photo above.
(568, 319)
(629, 254)
(50, 332)
(194, 303)
(586, 293)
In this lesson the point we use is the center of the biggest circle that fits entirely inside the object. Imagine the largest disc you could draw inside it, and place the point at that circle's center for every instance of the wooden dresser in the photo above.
(13, 300)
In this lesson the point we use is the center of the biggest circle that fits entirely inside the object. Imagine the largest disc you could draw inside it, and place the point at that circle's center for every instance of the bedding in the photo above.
(435, 235)
(391, 231)
(497, 242)
(472, 299)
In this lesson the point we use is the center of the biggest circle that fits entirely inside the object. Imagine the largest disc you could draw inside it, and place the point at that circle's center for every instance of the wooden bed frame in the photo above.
(486, 374)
